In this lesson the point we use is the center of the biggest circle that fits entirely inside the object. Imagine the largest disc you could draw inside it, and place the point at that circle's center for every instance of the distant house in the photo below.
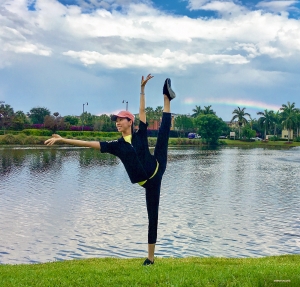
(284, 134)
(155, 124)
(232, 124)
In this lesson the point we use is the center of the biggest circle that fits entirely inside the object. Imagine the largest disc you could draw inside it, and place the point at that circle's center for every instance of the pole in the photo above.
(83, 113)
(2, 102)
(126, 104)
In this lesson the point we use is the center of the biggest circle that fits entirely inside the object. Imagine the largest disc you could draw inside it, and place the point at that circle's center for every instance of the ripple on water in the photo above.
(61, 204)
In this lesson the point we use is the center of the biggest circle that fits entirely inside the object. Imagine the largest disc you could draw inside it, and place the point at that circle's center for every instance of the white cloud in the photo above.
(167, 59)
(27, 48)
(196, 4)
(138, 37)
(224, 7)
(277, 6)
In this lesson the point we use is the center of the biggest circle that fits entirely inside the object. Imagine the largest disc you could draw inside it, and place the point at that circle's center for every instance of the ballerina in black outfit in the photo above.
(133, 150)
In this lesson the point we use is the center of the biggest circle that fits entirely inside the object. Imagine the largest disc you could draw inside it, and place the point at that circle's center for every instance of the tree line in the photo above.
(203, 121)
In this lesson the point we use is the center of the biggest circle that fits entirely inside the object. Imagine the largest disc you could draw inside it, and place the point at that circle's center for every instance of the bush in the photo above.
(89, 134)
(20, 139)
(297, 139)
(8, 139)
(222, 142)
(273, 139)
(37, 132)
(151, 141)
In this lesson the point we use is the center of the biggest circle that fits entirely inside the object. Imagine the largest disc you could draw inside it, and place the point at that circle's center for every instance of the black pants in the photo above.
(153, 185)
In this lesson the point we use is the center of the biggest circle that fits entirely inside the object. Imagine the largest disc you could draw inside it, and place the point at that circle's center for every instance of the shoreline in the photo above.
(277, 270)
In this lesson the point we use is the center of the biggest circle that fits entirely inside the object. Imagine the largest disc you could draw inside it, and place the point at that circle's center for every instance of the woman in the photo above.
(133, 150)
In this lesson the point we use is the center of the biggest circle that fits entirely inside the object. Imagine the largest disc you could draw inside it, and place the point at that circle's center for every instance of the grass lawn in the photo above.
(266, 271)
(261, 143)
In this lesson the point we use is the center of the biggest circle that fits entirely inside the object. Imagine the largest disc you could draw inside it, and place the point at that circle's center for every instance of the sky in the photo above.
(62, 54)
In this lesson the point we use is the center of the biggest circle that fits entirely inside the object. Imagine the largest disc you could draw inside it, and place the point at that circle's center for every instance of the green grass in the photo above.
(260, 143)
(266, 271)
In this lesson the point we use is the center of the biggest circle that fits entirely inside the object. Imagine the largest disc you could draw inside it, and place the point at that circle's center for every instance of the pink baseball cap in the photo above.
(122, 114)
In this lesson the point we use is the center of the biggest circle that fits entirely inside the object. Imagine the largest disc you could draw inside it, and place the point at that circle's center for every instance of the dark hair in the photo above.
(132, 128)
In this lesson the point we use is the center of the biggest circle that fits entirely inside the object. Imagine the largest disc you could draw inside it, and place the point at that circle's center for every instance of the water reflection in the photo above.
(64, 203)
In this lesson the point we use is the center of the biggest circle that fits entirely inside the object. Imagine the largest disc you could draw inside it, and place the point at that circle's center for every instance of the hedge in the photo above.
(23, 139)
(48, 133)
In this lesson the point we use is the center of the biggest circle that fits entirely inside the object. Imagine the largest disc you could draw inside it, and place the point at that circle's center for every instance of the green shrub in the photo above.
(89, 134)
(151, 141)
(30, 140)
(172, 141)
(20, 138)
(273, 139)
(8, 139)
(222, 142)
(297, 139)
(37, 132)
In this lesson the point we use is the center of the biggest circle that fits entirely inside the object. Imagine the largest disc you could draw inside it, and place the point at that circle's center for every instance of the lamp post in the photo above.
(2, 102)
(83, 113)
(126, 104)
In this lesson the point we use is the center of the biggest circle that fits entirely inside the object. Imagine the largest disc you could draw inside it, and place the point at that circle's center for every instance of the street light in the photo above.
(83, 113)
(126, 104)
(2, 102)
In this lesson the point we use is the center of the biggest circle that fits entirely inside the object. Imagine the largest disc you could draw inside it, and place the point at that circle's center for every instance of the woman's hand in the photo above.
(144, 81)
(55, 138)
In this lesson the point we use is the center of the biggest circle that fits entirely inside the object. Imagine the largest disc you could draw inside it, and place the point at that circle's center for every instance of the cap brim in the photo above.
(113, 118)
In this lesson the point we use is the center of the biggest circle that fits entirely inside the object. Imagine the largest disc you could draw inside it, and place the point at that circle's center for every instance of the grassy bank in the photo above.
(260, 143)
(267, 271)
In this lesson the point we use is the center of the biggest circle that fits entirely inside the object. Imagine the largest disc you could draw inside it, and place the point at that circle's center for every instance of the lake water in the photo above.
(66, 203)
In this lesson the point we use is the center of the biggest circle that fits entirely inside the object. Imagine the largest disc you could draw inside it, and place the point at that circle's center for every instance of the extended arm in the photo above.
(142, 112)
(57, 138)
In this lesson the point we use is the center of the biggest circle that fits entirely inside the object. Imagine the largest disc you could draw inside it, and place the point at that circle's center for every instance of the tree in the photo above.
(210, 128)
(87, 119)
(297, 121)
(184, 124)
(207, 111)
(276, 121)
(72, 120)
(6, 116)
(197, 111)
(158, 111)
(54, 123)
(19, 121)
(104, 123)
(150, 115)
(38, 114)
(248, 132)
(266, 120)
(240, 114)
(288, 117)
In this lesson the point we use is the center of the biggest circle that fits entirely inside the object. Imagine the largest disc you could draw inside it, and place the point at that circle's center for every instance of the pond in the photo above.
(66, 203)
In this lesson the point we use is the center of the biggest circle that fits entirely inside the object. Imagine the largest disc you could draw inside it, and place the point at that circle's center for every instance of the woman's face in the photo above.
(123, 125)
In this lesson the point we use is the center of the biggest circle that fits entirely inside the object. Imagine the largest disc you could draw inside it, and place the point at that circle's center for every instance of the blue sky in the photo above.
(61, 54)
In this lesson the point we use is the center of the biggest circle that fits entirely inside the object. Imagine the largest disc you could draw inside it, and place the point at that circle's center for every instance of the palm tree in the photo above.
(276, 121)
(208, 111)
(197, 111)
(298, 121)
(150, 115)
(240, 116)
(265, 120)
(252, 121)
(289, 117)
